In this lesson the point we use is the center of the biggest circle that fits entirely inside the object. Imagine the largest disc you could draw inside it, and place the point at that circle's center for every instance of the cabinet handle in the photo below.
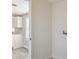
(30, 38)
(64, 32)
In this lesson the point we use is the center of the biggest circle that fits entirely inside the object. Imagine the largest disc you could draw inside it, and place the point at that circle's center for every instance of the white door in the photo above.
(59, 24)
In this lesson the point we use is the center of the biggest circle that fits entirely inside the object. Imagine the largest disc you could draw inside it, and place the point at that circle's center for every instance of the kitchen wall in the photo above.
(59, 23)
(41, 29)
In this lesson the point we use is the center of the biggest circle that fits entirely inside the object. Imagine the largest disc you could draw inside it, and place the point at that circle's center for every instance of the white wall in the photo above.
(41, 29)
(59, 23)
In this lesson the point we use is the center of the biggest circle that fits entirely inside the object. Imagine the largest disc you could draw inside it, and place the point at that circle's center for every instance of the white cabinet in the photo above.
(21, 28)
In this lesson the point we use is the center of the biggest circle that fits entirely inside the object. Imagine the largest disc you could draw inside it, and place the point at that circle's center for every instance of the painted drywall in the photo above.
(59, 23)
(41, 29)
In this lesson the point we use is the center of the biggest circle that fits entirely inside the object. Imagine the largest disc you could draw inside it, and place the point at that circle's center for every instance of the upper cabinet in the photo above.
(20, 7)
